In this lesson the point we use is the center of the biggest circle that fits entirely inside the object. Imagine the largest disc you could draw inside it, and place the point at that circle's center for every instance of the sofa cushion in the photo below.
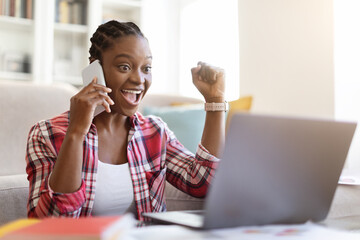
(14, 191)
(182, 120)
(187, 119)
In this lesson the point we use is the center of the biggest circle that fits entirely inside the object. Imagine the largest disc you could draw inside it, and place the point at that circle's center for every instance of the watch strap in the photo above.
(214, 107)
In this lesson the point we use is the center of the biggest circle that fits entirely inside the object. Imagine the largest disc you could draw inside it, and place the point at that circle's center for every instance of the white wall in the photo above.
(286, 56)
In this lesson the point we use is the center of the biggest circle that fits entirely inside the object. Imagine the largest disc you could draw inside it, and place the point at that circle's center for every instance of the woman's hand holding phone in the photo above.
(84, 106)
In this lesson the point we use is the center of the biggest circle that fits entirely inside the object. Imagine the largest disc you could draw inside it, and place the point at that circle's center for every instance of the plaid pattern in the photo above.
(154, 155)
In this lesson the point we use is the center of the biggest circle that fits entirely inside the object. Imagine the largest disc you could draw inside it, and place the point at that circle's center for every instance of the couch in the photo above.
(22, 104)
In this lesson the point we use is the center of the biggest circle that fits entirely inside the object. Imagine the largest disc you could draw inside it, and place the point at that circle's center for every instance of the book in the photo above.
(12, 8)
(64, 12)
(18, 224)
(70, 11)
(18, 7)
(2, 7)
(90, 228)
(28, 9)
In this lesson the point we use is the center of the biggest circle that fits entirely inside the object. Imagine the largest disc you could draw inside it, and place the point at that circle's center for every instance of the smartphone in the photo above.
(94, 70)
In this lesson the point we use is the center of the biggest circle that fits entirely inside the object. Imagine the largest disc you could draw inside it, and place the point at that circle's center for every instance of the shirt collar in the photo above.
(136, 119)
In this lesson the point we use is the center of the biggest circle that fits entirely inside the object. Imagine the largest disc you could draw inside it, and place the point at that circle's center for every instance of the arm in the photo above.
(41, 154)
(66, 175)
(210, 82)
(56, 186)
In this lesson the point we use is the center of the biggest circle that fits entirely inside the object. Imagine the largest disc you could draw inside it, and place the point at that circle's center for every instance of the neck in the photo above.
(111, 122)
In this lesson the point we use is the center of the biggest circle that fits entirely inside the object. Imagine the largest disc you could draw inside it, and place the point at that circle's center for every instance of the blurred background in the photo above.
(295, 57)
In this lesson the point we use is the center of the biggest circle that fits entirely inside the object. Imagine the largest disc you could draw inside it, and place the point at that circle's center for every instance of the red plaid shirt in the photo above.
(154, 155)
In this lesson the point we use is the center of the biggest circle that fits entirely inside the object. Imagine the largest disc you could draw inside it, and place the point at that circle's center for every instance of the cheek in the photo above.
(148, 81)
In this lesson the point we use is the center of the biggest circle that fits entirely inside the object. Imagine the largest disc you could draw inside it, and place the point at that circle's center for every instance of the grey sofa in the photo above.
(22, 104)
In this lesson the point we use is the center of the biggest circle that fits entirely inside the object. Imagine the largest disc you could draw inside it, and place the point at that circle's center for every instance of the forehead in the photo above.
(134, 46)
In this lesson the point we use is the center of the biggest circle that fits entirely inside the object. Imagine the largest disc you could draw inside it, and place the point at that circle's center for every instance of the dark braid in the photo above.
(106, 33)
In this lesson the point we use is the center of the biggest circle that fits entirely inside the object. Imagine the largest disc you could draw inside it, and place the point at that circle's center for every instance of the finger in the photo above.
(195, 70)
(107, 101)
(102, 95)
(107, 98)
(106, 106)
(213, 76)
(211, 73)
(86, 88)
(92, 87)
(207, 74)
(101, 101)
(103, 88)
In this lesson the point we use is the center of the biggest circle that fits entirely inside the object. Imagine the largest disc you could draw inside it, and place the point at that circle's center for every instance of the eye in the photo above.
(124, 67)
(147, 69)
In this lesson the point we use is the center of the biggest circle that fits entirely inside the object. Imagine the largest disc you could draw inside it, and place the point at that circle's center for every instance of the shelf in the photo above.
(16, 23)
(15, 76)
(123, 4)
(58, 50)
(70, 28)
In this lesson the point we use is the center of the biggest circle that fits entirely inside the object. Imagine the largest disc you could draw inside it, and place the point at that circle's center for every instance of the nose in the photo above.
(137, 76)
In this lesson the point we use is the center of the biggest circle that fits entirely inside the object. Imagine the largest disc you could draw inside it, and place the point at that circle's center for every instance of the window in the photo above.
(183, 32)
(209, 33)
(347, 68)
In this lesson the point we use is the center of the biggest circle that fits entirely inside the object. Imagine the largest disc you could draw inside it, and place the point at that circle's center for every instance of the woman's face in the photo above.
(127, 70)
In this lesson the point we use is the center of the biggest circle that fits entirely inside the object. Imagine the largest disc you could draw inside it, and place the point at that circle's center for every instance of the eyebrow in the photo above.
(128, 56)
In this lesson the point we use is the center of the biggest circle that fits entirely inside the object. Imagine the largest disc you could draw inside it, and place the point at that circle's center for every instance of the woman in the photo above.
(118, 161)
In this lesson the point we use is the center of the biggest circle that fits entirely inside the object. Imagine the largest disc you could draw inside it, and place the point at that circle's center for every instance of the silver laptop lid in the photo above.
(277, 170)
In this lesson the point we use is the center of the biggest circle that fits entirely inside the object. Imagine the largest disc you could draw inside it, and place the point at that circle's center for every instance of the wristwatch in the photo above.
(214, 107)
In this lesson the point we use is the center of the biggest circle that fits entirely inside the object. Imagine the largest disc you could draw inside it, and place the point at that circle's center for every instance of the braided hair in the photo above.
(106, 33)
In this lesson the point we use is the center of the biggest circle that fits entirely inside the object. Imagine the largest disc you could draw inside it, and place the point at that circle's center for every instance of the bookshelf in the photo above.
(47, 41)
(16, 23)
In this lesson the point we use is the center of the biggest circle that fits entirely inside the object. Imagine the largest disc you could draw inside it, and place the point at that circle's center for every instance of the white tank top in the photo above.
(114, 190)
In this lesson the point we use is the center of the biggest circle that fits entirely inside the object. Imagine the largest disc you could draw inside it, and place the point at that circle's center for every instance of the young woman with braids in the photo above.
(118, 161)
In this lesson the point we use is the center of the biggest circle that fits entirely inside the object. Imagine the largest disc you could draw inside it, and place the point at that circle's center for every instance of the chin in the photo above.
(126, 112)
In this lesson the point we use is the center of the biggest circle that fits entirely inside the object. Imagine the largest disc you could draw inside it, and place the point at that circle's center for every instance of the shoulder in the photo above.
(53, 126)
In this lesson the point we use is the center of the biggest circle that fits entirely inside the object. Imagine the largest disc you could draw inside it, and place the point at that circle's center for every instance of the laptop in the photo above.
(274, 170)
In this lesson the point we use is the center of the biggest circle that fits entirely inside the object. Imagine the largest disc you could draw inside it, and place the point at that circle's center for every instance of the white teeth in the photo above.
(132, 91)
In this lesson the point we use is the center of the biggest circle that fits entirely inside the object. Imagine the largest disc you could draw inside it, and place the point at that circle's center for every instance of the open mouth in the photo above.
(132, 96)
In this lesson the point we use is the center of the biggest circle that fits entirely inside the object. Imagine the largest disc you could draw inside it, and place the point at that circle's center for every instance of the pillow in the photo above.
(243, 104)
(186, 121)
